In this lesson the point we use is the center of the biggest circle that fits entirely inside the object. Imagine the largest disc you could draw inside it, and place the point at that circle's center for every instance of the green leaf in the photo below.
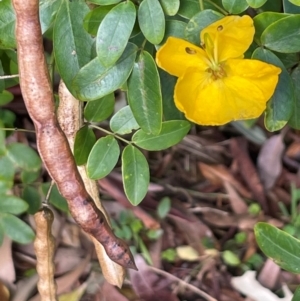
(103, 157)
(5, 97)
(99, 109)
(16, 229)
(294, 121)
(48, 11)
(94, 80)
(23, 156)
(188, 8)
(1, 235)
(12, 204)
(230, 258)
(283, 248)
(283, 35)
(290, 8)
(144, 95)
(56, 199)
(28, 176)
(2, 139)
(172, 132)
(7, 25)
(123, 122)
(135, 174)
(256, 3)
(235, 6)
(296, 296)
(7, 117)
(279, 107)
(167, 83)
(263, 21)
(114, 32)
(163, 207)
(84, 141)
(72, 44)
(152, 20)
(198, 22)
(174, 28)
(170, 7)
(7, 172)
(105, 2)
(33, 199)
(295, 2)
(2, 81)
(94, 18)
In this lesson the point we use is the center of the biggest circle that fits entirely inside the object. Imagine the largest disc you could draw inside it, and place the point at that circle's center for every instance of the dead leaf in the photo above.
(7, 271)
(269, 274)
(218, 174)
(238, 205)
(269, 161)
(187, 253)
(247, 170)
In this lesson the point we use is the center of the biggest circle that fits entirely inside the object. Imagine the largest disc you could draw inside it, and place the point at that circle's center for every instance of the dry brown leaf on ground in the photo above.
(218, 174)
(238, 205)
(247, 170)
(148, 285)
(7, 271)
(269, 160)
(269, 274)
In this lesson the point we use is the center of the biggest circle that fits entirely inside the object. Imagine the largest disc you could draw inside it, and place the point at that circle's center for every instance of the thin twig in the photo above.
(9, 76)
(46, 201)
(183, 283)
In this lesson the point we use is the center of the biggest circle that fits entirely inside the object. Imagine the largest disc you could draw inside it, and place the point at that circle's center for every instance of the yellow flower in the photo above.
(215, 84)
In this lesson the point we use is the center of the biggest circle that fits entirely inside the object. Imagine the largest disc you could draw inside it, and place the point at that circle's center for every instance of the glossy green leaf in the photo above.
(280, 246)
(16, 229)
(188, 8)
(12, 204)
(264, 20)
(5, 97)
(230, 258)
(274, 6)
(56, 199)
(72, 44)
(7, 25)
(294, 121)
(296, 296)
(23, 156)
(123, 122)
(95, 80)
(135, 174)
(283, 35)
(198, 22)
(256, 3)
(174, 28)
(167, 83)
(33, 199)
(235, 6)
(152, 20)
(172, 132)
(290, 8)
(105, 2)
(144, 95)
(48, 11)
(94, 18)
(170, 7)
(103, 157)
(99, 109)
(114, 32)
(84, 142)
(279, 107)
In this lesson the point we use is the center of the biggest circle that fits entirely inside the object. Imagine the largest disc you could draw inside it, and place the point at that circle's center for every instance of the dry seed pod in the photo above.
(69, 115)
(51, 141)
(44, 246)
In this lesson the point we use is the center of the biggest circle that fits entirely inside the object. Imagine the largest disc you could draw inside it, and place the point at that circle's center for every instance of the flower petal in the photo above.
(231, 36)
(243, 94)
(176, 55)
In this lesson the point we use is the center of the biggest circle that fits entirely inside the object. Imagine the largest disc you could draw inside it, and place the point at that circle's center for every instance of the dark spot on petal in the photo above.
(190, 50)
(85, 202)
(220, 28)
